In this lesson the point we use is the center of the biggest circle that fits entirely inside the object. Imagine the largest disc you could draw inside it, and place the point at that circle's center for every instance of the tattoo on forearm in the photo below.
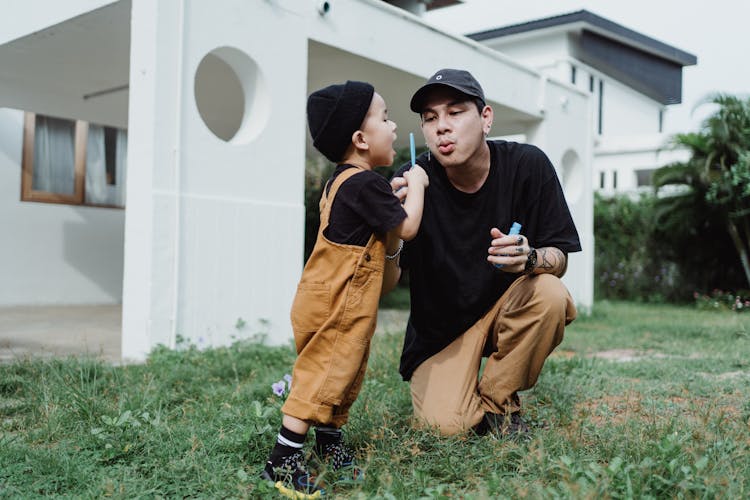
(552, 260)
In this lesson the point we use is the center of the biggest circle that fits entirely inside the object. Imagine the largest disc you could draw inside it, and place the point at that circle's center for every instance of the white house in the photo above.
(152, 153)
(631, 78)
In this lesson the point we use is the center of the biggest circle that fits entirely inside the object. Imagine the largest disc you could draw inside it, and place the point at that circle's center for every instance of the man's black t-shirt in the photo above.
(451, 282)
(363, 205)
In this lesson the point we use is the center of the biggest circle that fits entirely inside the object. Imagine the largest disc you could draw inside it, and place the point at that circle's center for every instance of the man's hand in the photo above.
(510, 251)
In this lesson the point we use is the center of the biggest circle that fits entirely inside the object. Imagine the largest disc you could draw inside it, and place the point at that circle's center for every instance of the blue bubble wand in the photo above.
(412, 150)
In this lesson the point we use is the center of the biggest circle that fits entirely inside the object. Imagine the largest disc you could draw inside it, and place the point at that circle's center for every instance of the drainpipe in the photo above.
(178, 179)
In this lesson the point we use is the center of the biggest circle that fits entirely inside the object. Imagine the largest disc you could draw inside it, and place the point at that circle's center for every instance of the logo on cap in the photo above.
(439, 77)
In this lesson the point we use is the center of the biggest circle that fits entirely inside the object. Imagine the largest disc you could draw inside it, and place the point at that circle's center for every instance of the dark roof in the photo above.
(621, 33)
(439, 4)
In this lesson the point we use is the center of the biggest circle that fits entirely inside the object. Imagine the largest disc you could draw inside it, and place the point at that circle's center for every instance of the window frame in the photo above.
(78, 197)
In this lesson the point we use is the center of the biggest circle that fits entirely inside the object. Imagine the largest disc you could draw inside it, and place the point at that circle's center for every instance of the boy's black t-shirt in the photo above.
(451, 282)
(363, 205)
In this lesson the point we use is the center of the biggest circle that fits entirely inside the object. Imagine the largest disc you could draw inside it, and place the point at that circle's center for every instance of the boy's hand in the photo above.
(398, 185)
(416, 175)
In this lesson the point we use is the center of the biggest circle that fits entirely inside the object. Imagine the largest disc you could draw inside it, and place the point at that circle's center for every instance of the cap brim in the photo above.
(417, 100)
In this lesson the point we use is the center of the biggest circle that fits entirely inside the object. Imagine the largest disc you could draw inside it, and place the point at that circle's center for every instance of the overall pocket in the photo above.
(310, 309)
(349, 353)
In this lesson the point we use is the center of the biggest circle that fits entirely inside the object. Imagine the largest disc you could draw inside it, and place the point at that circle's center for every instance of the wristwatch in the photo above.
(530, 261)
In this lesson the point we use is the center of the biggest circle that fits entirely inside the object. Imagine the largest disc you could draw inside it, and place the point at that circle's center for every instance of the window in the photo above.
(573, 75)
(601, 104)
(591, 83)
(644, 177)
(602, 178)
(73, 162)
(614, 179)
(661, 121)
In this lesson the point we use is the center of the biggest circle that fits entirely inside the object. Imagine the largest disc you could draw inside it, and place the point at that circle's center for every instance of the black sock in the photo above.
(287, 443)
(327, 435)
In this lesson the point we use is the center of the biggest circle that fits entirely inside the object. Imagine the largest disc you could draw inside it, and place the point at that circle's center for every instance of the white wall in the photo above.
(214, 229)
(50, 253)
(536, 51)
(627, 112)
(630, 138)
(565, 136)
(628, 154)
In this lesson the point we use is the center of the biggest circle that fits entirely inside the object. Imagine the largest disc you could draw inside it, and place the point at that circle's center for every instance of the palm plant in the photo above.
(713, 186)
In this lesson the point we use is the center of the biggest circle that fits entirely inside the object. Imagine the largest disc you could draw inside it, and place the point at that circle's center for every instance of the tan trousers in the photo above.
(523, 326)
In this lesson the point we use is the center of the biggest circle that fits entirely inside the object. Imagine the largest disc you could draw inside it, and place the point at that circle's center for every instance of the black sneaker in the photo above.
(503, 425)
(291, 478)
(340, 459)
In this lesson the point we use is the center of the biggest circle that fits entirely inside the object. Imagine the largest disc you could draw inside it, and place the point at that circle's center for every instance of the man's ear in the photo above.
(359, 140)
(487, 117)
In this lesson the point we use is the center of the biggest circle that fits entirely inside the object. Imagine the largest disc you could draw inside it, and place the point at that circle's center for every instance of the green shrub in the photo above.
(317, 172)
(637, 259)
(628, 261)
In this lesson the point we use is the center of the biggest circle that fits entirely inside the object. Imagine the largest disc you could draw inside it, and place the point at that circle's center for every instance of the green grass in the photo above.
(672, 422)
(398, 298)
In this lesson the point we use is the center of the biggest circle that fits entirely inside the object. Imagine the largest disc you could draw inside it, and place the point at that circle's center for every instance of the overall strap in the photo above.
(326, 201)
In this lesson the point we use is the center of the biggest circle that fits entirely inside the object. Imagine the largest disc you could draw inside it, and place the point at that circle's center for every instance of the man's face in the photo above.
(453, 127)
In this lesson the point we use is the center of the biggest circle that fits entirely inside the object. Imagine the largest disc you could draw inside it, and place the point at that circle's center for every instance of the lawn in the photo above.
(639, 401)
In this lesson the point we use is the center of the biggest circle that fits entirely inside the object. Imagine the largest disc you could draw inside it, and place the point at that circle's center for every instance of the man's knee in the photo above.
(549, 287)
(551, 294)
(446, 423)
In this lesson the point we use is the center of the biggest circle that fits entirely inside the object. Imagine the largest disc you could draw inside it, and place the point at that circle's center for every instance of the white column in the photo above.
(152, 128)
(565, 135)
(214, 227)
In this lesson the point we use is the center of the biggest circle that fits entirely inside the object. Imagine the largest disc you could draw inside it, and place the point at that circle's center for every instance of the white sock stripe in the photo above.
(281, 439)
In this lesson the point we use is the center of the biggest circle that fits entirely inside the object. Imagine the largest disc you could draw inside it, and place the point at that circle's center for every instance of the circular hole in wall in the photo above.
(572, 176)
(231, 95)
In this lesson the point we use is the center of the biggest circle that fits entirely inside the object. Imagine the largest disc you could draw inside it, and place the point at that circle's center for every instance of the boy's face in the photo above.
(452, 126)
(379, 132)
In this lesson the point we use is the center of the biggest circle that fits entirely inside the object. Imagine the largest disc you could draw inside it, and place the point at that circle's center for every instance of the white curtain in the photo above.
(54, 155)
(98, 190)
(121, 166)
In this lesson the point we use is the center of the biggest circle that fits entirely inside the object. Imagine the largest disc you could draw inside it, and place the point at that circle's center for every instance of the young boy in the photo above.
(362, 225)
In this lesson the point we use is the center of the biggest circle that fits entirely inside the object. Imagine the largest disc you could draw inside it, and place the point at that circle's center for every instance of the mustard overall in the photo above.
(333, 317)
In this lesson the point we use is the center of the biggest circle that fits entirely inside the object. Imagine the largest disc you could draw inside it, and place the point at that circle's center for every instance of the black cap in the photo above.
(334, 113)
(458, 79)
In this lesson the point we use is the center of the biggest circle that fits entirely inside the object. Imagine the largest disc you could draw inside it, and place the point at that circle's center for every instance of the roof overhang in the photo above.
(645, 64)
(576, 22)
(80, 67)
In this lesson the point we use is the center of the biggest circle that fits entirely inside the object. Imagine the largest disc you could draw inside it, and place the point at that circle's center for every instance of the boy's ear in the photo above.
(359, 141)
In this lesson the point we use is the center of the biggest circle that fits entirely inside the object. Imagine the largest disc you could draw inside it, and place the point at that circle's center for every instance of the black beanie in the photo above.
(334, 113)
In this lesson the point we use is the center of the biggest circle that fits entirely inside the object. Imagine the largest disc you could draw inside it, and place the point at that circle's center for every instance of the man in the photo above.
(475, 290)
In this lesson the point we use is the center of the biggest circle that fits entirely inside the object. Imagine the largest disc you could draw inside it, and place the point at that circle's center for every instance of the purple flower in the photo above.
(288, 379)
(279, 388)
